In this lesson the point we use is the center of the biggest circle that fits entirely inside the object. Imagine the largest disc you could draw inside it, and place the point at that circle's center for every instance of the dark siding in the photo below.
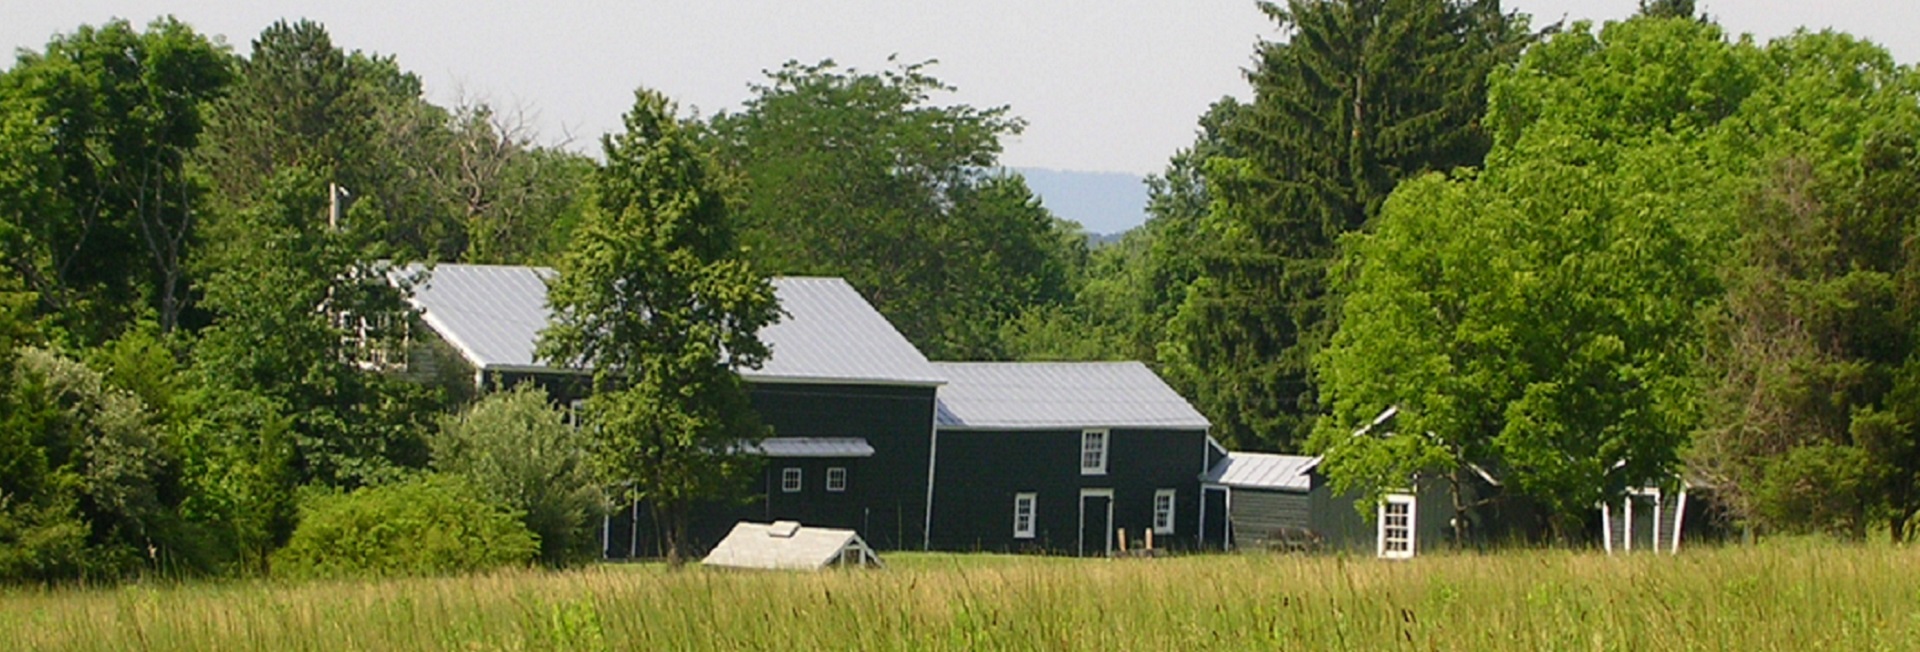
(1261, 517)
(887, 495)
(885, 500)
(979, 472)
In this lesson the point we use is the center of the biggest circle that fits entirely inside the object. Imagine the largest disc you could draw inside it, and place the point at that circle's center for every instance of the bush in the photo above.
(520, 452)
(431, 524)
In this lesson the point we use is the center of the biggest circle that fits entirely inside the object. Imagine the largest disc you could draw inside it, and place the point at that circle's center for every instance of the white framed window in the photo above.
(1093, 452)
(1023, 515)
(790, 480)
(1163, 511)
(1396, 526)
(576, 412)
(837, 478)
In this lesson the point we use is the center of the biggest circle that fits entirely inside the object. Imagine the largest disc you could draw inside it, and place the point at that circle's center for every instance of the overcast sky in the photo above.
(1106, 85)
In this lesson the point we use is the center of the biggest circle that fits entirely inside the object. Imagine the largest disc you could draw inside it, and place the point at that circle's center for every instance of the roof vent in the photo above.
(783, 529)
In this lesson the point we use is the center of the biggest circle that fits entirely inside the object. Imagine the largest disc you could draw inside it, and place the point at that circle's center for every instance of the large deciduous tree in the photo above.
(657, 298)
(860, 175)
(1360, 95)
(101, 213)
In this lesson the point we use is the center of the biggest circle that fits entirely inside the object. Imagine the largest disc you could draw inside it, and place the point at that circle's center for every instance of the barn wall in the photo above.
(980, 472)
(1261, 518)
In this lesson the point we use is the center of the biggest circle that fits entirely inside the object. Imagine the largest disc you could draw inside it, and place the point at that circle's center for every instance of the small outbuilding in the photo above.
(788, 545)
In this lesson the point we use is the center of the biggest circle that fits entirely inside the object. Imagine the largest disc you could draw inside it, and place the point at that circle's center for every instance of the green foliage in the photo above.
(1819, 487)
(427, 525)
(284, 290)
(858, 175)
(521, 453)
(100, 125)
(655, 296)
(1540, 318)
(1361, 94)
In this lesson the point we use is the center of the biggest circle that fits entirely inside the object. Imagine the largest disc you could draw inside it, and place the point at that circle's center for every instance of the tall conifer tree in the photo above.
(1360, 94)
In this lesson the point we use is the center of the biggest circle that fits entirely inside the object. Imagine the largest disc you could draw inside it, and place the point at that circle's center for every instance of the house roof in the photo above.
(814, 447)
(786, 545)
(493, 315)
(1262, 471)
(1042, 395)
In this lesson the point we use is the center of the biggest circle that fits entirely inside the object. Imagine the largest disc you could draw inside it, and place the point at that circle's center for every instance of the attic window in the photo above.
(1093, 452)
(1396, 526)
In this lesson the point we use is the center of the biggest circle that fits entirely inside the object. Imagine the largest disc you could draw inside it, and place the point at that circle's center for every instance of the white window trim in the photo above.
(1380, 533)
(1172, 500)
(576, 409)
(791, 480)
(1105, 437)
(839, 474)
(1032, 501)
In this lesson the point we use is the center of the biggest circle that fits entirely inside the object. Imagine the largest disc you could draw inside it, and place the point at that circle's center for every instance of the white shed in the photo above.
(787, 545)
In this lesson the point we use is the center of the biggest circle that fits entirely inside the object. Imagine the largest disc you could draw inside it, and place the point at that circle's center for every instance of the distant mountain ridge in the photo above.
(1102, 202)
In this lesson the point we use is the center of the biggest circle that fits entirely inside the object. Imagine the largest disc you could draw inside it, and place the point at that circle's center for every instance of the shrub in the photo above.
(430, 524)
(520, 452)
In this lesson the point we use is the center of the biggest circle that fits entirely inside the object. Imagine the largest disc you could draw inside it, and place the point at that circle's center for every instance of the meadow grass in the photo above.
(1782, 596)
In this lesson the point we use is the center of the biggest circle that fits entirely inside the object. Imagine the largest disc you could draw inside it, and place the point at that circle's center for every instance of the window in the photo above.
(1093, 452)
(1023, 516)
(576, 412)
(790, 480)
(837, 478)
(1396, 526)
(1163, 511)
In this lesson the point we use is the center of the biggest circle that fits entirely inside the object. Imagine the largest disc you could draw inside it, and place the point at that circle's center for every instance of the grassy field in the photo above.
(1788, 596)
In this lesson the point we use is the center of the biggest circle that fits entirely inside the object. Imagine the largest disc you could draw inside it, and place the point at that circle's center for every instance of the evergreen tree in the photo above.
(1361, 94)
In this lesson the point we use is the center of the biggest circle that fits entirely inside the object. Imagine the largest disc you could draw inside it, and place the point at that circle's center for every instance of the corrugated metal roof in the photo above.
(1022, 395)
(786, 545)
(494, 313)
(814, 447)
(1263, 471)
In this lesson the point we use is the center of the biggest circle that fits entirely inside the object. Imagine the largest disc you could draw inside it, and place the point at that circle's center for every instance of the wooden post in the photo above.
(1123, 540)
(1149, 540)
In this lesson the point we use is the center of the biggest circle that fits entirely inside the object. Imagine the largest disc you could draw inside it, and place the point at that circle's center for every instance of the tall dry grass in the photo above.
(1778, 597)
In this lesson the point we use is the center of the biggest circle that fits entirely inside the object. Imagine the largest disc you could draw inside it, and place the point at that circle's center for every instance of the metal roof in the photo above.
(814, 447)
(787, 545)
(1038, 395)
(1263, 471)
(493, 315)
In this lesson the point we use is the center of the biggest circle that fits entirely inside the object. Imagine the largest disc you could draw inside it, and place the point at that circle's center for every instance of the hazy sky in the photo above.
(1111, 85)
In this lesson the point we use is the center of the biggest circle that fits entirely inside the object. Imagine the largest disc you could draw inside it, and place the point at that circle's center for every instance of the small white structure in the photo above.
(787, 545)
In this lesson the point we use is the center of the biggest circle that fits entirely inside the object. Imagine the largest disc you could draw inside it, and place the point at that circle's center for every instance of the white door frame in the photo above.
(1082, 508)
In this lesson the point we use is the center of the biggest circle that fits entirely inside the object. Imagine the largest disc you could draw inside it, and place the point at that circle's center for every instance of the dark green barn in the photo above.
(1064, 457)
(850, 401)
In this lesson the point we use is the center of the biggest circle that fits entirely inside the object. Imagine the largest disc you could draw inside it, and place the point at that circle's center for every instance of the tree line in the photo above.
(1585, 257)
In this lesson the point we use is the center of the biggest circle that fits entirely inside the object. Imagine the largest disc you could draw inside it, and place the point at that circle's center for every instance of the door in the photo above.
(1096, 522)
(1213, 518)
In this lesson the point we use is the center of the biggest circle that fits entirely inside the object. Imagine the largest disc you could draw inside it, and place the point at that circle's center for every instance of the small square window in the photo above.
(1093, 452)
(790, 480)
(1163, 511)
(1023, 515)
(837, 479)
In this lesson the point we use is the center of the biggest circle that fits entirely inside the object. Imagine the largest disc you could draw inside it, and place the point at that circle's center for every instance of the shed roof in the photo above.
(814, 447)
(494, 313)
(1041, 395)
(1263, 471)
(787, 545)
